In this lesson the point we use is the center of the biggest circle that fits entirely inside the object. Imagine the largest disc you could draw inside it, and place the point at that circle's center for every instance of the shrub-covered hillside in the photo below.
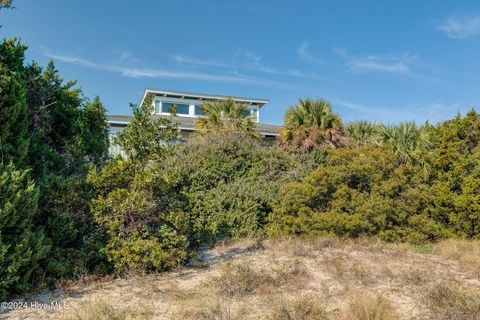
(67, 209)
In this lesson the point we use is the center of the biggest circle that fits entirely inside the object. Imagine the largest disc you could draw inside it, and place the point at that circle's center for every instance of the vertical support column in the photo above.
(191, 110)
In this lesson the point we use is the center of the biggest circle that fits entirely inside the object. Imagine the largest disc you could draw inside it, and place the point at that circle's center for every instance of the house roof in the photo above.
(201, 96)
(188, 123)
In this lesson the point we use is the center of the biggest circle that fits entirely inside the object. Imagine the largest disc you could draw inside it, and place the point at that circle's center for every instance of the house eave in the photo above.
(202, 96)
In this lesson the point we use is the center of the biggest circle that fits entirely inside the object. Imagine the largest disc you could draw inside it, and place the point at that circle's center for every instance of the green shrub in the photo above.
(225, 184)
(22, 245)
(130, 208)
(358, 192)
(455, 190)
(48, 128)
(132, 196)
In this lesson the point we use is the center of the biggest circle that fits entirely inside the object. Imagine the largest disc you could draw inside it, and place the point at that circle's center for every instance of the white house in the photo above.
(187, 106)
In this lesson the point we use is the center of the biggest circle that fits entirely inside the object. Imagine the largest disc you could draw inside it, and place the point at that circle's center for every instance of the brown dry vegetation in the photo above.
(290, 279)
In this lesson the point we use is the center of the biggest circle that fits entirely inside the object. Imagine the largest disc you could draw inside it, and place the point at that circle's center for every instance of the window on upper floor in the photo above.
(198, 110)
(115, 129)
(157, 106)
(254, 114)
(180, 108)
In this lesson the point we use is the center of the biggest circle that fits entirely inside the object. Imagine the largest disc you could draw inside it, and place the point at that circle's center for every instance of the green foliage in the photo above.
(50, 131)
(407, 141)
(225, 183)
(131, 197)
(226, 116)
(358, 192)
(141, 235)
(387, 193)
(455, 166)
(68, 134)
(310, 124)
(66, 208)
(6, 4)
(93, 132)
(14, 139)
(362, 132)
(22, 245)
(145, 138)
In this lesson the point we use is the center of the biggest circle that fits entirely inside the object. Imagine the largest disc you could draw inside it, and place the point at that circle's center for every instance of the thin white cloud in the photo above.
(461, 27)
(245, 60)
(304, 52)
(396, 63)
(421, 112)
(125, 55)
(160, 73)
(199, 62)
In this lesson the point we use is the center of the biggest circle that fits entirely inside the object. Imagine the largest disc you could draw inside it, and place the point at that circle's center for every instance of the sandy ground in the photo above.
(283, 279)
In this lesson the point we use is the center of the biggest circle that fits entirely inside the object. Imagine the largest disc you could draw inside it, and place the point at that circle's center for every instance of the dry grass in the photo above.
(465, 252)
(449, 301)
(101, 309)
(238, 279)
(302, 308)
(367, 307)
(242, 278)
(323, 278)
(218, 308)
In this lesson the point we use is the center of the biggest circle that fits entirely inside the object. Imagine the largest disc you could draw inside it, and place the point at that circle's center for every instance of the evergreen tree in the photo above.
(68, 135)
(145, 138)
(93, 135)
(48, 127)
(14, 139)
(226, 116)
(21, 246)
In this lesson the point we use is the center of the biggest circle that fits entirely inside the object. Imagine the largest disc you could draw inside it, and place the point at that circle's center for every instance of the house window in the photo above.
(255, 114)
(180, 108)
(198, 110)
(157, 106)
(115, 129)
(246, 113)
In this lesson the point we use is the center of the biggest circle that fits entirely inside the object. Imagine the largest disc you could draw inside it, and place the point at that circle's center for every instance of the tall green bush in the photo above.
(223, 184)
(49, 129)
(14, 138)
(131, 198)
(455, 168)
(360, 192)
(22, 244)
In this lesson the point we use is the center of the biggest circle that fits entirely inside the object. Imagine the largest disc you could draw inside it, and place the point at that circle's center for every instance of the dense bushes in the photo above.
(367, 191)
(50, 136)
(164, 201)
(21, 245)
(66, 209)
(131, 199)
(224, 184)
(455, 167)
(158, 208)
(359, 192)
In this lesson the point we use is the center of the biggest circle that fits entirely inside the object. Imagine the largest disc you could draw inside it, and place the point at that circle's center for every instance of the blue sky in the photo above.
(379, 60)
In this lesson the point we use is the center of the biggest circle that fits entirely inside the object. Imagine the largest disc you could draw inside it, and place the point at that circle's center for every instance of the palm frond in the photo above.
(310, 124)
(225, 116)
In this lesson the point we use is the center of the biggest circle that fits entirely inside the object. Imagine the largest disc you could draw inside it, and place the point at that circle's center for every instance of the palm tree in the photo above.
(408, 141)
(310, 124)
(363, 132)
(226, 116)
